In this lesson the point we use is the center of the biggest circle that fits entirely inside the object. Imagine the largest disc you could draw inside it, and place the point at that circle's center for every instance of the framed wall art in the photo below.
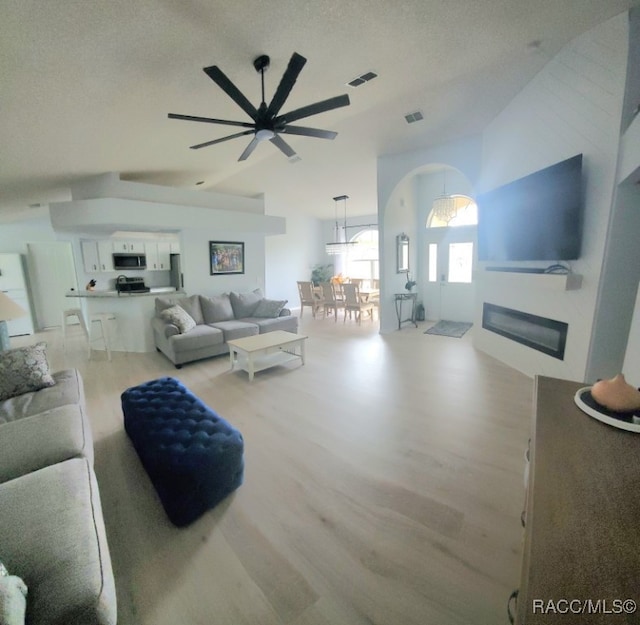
(226, 257)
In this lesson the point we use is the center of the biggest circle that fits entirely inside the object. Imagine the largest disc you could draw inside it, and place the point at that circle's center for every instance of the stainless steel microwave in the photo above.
(129, 261)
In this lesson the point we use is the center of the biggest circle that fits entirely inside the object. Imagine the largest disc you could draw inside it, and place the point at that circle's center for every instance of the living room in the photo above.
(246, 562)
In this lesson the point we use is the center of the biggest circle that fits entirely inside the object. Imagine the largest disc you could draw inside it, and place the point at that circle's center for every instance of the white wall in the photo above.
(572, 106)
(291, 256)
(631, 368)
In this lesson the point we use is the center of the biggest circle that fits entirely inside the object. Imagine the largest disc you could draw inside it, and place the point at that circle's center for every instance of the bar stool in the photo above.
(72, 312)
(102, 319)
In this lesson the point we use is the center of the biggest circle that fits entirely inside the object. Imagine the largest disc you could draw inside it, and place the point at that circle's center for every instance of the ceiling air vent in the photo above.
(360, 80)
(416, 116)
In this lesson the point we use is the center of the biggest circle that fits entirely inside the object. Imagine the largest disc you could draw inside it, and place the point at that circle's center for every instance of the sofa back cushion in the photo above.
(245, 304)
(216, 308)
(269, 308)
(189, 304)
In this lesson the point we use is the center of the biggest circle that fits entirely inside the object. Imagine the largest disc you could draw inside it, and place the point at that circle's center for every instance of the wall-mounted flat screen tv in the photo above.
(538, 217)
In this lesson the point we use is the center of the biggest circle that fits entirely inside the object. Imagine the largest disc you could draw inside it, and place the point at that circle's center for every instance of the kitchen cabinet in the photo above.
(97, 256)
(105, 255)
(90, 257)
(137, 247)
(158, 255)
(151, 252)
(175, 247)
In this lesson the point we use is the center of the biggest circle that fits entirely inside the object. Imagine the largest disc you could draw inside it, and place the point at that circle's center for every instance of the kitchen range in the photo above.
(124, 284)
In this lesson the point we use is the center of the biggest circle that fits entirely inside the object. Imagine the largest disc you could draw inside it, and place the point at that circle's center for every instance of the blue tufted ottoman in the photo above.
(193, 456)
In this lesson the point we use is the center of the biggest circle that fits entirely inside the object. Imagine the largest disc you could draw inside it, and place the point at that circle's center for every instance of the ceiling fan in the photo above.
(267, 124)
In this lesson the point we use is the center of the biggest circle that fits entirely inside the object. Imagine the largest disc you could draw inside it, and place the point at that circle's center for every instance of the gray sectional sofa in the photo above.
(52, 532)
(212, 321)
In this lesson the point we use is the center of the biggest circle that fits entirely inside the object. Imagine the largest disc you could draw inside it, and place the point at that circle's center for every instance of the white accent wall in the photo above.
(572, 106)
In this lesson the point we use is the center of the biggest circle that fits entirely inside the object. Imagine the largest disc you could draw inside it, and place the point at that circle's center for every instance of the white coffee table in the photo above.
(255, 353)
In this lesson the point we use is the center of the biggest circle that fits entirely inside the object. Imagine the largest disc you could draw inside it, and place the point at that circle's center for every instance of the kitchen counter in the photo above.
(154, 291)
(131, 330)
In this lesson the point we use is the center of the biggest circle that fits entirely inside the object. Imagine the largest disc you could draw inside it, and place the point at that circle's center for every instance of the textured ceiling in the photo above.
(85, 87)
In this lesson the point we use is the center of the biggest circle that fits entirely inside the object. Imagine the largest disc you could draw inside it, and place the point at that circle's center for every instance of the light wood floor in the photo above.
(383, 485)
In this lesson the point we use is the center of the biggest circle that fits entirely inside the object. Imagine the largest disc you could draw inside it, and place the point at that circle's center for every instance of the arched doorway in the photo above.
(450, 252)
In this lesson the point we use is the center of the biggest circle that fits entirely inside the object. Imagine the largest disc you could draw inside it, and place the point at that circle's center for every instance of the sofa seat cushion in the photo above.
(52, 536)
(43, 439)
(67, 389)
(288, 323)
(236, 329)
(200, 337)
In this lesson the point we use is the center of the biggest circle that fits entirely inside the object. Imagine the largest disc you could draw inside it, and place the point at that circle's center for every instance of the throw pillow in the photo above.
(13, 602)
(217, 308)
(270, 308)
(245, 304)
(24, 369)
(179, 317)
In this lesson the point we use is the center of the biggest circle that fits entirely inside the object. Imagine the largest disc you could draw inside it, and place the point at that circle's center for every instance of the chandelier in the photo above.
(444, 206)
(340, 247)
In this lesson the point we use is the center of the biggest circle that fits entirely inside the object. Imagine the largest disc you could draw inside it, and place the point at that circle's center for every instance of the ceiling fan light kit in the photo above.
(267, 124)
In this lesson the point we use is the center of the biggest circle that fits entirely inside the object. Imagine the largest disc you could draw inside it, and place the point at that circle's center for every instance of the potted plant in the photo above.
(321, 273)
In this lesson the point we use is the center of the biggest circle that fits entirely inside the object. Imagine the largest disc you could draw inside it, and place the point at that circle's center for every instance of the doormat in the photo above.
(455, 329)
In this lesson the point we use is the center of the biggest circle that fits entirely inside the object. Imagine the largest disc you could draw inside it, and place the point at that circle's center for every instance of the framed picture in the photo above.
(226, 257)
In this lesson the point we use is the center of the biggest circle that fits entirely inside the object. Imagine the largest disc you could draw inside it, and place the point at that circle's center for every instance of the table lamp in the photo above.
(8, 310)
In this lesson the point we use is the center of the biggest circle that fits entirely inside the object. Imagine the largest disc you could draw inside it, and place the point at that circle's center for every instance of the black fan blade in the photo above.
(207, 143)
(209, 120)
(250, 148)
(296, 63)
(313, 109)
(309, 132)
(220, 78)
(282, 145)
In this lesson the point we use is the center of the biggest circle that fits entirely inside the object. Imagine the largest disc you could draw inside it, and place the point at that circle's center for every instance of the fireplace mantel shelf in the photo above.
(555, 281)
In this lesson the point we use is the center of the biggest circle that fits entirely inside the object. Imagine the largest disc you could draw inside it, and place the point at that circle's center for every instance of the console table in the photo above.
(581, 539)
(399, 299)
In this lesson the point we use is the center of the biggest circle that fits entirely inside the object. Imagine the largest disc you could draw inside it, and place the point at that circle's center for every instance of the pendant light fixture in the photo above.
(340, 247)
(444, 206)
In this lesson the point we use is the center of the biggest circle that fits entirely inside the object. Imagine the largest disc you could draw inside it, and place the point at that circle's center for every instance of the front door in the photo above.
(449, 289)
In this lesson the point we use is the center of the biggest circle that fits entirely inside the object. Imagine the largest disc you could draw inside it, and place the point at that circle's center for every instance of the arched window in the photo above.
(465, 213)
(362, 260)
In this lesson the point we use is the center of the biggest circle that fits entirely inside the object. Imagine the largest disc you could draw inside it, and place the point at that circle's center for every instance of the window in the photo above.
(362, 260)
(460, 262)
(466, 214)
(433, 262)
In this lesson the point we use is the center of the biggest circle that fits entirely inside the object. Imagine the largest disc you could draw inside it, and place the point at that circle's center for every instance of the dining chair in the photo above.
(308, 297)
(353, 302)
(331, 299)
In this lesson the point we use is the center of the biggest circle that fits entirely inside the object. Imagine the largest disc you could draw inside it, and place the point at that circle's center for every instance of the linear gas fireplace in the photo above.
(545, 335)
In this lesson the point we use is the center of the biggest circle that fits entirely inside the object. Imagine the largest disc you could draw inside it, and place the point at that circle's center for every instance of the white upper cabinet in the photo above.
(135, 247)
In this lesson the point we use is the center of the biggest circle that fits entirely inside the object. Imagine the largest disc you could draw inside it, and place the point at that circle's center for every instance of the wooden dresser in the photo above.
(582, 516)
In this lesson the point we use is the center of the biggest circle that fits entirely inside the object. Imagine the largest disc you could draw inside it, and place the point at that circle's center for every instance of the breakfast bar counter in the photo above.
(131, 330)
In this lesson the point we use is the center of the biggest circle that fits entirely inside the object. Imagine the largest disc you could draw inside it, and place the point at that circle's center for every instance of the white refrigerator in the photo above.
(14, 285)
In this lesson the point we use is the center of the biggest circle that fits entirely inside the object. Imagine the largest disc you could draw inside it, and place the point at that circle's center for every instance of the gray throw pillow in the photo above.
(23, 370)
(245, 304)
(270, 308)
(179, 317)
(216, 308)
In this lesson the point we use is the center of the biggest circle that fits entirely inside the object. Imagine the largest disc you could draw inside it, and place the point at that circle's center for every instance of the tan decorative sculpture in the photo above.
(616, 394)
